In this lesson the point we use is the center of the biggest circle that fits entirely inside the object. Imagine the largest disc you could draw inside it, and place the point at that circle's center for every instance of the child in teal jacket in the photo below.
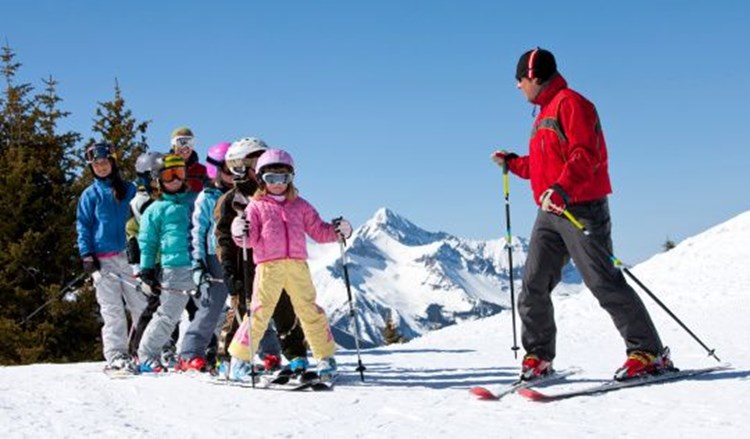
(165, 233)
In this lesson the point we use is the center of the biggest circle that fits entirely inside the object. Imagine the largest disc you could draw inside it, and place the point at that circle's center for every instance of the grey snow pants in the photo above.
(167, 316)
(554, 240)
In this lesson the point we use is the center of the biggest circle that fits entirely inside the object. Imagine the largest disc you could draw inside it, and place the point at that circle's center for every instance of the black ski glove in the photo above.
(90, 263)
(234, 285)
(201, 280)
(134, 252)
(148, 276)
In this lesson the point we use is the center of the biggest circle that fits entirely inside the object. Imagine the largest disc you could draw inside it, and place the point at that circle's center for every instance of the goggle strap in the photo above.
(214, 162)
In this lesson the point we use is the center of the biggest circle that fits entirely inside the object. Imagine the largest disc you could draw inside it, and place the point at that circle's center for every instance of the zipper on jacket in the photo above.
(286, 230)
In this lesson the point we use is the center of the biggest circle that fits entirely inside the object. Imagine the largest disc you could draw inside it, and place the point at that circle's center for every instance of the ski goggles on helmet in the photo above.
(277, 177)
(239, 167)
(99, 152)
(181, 143)
(171, 174)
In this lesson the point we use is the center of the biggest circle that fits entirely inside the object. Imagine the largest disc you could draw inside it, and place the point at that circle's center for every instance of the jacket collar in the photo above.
(105, 182)
(179, 197)
(551, 88)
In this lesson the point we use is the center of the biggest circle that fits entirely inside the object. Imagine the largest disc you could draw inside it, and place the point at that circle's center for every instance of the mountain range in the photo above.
(420, 280)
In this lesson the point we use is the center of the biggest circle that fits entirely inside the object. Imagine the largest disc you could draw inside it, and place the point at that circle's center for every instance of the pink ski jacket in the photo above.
(277, 229)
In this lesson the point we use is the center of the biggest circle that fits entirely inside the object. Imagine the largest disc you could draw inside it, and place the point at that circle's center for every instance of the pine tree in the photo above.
(37, 232)
(115, 124)
(390, 332)
(668, 245)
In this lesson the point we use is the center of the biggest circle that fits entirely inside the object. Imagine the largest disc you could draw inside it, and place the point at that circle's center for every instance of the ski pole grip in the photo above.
(336, 221)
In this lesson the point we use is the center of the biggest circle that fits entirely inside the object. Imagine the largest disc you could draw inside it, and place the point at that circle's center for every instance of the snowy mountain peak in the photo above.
(421, 280)
(395, 226)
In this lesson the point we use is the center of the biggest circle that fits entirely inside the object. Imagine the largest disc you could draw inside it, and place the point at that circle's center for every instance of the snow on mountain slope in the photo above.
(420, 389)
(422, 280)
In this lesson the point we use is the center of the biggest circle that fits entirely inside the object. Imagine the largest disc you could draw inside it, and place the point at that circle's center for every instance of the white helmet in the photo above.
(146, 162)
(240, 150)
(244, 147)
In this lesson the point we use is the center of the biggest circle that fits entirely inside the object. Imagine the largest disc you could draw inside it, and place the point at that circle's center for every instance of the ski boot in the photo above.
(152, 365)
(197, 364)
(169, 357)
(240, 370)
(298, 365)
(271, 364)
(327, 369)
(640, 363)
(121, 364)
(533, 367)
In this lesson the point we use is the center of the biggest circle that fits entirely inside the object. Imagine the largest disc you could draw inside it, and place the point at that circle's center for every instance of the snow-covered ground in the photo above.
(420, 389)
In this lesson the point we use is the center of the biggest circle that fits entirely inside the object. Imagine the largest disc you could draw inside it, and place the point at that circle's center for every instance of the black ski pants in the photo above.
(554, 240)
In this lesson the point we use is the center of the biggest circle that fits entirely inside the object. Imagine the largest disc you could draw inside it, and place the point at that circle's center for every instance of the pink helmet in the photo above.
(274, 157)
(215, 158)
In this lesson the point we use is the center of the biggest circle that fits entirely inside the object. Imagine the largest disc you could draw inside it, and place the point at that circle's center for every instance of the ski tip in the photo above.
(482, 393)
(533, 395)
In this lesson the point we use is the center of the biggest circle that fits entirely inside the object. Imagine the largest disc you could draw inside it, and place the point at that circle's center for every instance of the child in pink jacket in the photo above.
(274, 226)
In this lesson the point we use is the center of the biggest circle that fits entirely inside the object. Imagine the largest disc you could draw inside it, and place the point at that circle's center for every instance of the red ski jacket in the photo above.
(567, 146)
(197, 176)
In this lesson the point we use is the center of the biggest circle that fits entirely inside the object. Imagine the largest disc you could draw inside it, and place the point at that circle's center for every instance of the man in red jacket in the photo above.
(183, 144)
(567, 166)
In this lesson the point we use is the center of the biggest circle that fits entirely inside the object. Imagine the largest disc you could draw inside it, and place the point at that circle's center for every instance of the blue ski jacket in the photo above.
(204, 225)
(100, 218)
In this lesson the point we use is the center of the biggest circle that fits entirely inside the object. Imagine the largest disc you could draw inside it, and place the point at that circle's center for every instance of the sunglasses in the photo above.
(278, 177)
(99, 153)
(170, 174)
(183, 142)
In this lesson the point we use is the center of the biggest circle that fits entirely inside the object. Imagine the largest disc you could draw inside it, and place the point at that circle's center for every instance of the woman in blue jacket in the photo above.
(101, 215)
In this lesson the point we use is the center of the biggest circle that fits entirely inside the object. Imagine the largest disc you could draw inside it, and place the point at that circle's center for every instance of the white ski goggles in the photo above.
(183, 142)
(277, 177)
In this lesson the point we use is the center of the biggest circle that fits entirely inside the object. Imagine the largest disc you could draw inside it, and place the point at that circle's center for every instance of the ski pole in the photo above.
(139, 286)
(248, 295)
(508, 238)
(63, 291)
(352, 315)
(617, 263)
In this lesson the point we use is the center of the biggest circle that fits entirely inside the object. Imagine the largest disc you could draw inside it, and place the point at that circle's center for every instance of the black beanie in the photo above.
(536, 63)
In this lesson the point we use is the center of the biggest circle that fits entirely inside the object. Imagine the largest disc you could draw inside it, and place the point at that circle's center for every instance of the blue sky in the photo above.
(399, 103)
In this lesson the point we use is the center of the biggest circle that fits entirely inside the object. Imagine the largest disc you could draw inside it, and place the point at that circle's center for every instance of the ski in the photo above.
(119, 374)
(612, 385)
(486, 394)
(285, 380)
